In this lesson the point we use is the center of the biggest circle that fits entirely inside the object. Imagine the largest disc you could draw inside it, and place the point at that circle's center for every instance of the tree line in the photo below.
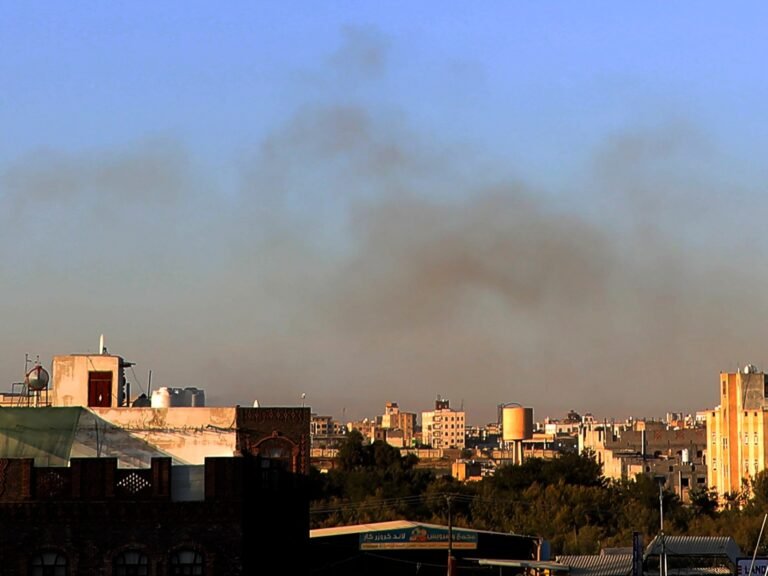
(567, 500)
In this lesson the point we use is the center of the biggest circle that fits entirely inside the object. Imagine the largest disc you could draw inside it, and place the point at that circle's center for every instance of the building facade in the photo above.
(399, 426)
(736, 430)
(100, 484)
(443, 427)
(96, 518)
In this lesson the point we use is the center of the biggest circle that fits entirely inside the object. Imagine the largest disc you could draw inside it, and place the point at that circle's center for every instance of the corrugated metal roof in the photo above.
(393, 525)
(358, 528)
(598, 564)
(696, 546)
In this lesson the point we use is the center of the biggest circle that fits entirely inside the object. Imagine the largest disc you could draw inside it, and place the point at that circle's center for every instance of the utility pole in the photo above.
(450, 537)
(663, 557)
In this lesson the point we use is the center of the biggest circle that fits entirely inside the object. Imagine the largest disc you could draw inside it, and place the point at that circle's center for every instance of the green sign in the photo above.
(417, 538)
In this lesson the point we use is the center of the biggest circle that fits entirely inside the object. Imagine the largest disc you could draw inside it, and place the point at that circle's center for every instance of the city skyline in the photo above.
(555, 205)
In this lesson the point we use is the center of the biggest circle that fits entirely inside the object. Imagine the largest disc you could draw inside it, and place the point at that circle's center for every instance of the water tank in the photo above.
(37, 378)
(684, 456)
(517, 423)
(161, 398)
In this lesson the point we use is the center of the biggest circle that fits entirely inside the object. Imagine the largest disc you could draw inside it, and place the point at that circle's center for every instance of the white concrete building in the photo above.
(443, 427)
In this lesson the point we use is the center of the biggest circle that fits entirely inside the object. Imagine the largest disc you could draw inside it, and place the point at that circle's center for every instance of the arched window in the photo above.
(131, 563)
(186, 563)
(276, 453)
(49, 564)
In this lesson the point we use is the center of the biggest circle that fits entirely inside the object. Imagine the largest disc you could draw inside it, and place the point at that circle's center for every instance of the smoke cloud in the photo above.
(361, 261)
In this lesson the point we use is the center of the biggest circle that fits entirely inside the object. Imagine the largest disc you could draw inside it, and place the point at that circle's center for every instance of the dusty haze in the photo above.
(358, 261)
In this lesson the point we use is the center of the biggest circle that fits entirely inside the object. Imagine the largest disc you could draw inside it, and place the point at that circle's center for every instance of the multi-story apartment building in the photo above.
(736, 430)
(399, 426)
(443, 427)
(649, 447)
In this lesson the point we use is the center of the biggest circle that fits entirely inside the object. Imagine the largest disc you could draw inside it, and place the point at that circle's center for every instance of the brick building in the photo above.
(97, 482)
(95, 518)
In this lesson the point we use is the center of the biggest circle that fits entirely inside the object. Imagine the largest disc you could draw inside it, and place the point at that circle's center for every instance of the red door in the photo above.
(100, 389)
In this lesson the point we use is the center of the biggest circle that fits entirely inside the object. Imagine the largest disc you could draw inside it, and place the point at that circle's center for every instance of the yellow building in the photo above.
(394, 420)
(736, 430)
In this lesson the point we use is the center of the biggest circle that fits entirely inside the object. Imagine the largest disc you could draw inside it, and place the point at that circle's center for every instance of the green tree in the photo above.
(759, 492)
(703, 501)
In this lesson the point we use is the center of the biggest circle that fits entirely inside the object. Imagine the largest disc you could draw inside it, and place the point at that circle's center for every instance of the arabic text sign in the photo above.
(418, 537)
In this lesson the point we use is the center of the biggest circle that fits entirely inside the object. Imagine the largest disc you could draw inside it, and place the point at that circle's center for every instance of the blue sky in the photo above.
(556, 76)
(184, 176)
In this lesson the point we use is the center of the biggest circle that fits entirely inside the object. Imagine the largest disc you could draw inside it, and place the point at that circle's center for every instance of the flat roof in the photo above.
(397, 525)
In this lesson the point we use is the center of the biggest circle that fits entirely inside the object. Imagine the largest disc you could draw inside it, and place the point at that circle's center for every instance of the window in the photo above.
(746, 438)
(131, 563)
(755, 438)
(49, 564)
(186, 563)
(725, 442)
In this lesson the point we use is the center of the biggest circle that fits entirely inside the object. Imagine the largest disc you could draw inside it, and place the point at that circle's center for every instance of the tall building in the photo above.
(443, 427)
(736, 430)
(399, 426)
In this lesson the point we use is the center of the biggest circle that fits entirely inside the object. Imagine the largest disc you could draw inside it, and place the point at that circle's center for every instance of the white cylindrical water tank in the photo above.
(684, 456)
(161, 398)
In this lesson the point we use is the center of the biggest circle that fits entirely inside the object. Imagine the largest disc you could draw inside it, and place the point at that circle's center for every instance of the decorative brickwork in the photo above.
(93, 511)
(254, 425)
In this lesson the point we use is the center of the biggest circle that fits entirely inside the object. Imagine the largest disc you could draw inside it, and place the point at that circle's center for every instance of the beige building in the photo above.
(89, 411)
(736, 430)
(443, 427)
(92, 380)
(399, 426)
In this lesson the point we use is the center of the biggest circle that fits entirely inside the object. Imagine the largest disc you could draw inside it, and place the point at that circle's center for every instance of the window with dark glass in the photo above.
(186, 563)
(49, 564)
(131, 563)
